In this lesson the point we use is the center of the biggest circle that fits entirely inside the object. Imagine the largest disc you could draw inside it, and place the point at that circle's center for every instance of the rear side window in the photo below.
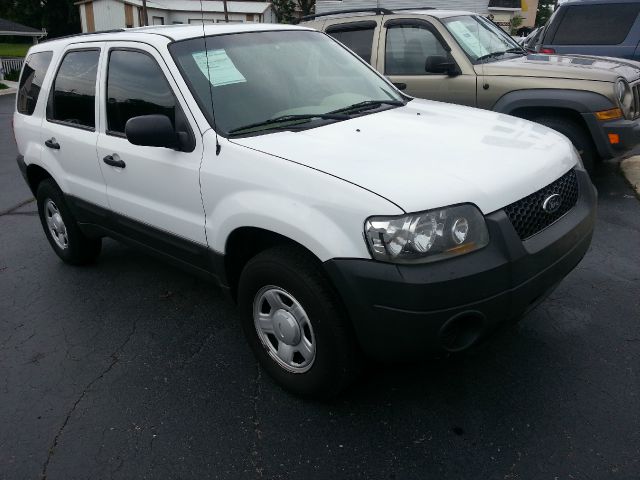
(136, 86)
(73, 95)
(35, 68)
(358, 38)
(596, 24)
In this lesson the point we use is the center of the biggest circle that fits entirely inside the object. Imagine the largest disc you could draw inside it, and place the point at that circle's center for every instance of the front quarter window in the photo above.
(252, 78)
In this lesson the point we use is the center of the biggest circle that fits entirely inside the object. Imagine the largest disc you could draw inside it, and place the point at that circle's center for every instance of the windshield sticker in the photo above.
(470, 42)
(218, 68)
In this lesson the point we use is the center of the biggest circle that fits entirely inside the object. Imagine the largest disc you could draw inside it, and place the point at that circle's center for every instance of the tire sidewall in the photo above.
(47, 190)
(327, 363)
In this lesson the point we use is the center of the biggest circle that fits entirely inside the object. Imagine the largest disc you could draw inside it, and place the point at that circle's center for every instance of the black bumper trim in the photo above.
(23, 167)
(628, 130)
(398, 311)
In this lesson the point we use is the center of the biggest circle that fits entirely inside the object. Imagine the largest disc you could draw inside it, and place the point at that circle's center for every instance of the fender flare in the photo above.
(579, 101)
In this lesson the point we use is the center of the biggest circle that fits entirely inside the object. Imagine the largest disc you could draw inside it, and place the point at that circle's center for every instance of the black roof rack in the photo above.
(377, 11)
(113, 30)
(413, 8)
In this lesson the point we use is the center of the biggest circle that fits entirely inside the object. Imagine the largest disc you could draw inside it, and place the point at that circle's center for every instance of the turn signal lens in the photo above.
(614, 138)
(612, 114)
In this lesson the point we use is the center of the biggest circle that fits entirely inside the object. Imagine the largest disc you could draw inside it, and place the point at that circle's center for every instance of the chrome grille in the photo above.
(527, 215)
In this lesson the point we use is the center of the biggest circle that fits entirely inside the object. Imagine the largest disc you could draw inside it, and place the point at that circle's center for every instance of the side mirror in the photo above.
(441, 64)
(152, 131)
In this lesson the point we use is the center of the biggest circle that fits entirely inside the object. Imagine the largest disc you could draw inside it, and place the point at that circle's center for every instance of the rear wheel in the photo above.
(295, 323)
(578, 136)
(61, 228)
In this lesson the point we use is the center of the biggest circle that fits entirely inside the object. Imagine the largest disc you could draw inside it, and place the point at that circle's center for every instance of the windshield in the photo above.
(299, 78)
(481, 39)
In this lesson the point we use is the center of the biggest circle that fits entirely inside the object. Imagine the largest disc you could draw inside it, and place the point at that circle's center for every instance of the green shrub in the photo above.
(3, 86)
(12, 76)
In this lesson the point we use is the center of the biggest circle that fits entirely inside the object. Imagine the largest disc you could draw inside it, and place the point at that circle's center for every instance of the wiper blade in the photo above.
(499, 54)
(289, 118)
(490, 55)
(368, 104)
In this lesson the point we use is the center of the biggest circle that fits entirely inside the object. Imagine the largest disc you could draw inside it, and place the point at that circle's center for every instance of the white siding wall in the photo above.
(184, 17)
(108, 14)
(477, 6)
(83, 18)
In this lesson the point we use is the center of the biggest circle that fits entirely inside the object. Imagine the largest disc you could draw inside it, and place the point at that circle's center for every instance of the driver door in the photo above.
(407, 48)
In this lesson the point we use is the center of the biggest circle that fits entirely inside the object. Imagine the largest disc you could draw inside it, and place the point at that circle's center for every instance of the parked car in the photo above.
(609, 28)
(463, 58)
(347, 220)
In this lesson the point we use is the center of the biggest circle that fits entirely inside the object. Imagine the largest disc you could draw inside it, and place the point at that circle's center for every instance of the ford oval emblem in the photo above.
(552, 203)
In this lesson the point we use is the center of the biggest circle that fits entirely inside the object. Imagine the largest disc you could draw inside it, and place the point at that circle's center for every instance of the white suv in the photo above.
(346, 219)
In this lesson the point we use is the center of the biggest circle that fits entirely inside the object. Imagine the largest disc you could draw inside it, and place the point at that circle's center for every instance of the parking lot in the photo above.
(132, 369)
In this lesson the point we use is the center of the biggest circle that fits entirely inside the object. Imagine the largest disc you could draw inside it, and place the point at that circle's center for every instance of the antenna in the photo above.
(206, 53)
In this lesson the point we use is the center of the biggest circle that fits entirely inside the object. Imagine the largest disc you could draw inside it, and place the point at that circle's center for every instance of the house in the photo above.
(14, 29)
(501, 10)
(98, 15)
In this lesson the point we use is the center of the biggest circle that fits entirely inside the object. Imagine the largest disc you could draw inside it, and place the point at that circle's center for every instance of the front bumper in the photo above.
(628, 132)
(402, 311)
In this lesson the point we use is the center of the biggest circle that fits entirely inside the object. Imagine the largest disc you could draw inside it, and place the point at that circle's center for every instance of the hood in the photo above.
(580, 67)
(430, 154)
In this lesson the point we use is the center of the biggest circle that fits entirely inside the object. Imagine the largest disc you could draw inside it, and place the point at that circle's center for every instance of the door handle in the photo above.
(51, 143)
(400, 85)
(114, 161)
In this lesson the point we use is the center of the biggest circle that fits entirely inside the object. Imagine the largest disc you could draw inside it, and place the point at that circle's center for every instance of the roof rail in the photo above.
(377, 11)
(413, 8)
(113, 30)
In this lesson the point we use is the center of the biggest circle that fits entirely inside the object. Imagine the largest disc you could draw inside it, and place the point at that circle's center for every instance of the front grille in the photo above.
(527, 215)
(636, 100)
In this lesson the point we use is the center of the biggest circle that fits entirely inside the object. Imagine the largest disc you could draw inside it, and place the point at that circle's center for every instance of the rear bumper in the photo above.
(401, 311)
(628, 132)
(23, 167)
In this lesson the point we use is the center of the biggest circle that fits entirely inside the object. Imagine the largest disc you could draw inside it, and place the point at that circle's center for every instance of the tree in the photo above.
(306, 6)
(284, 10)
(545, 9)
(515, 23)
(58, 17)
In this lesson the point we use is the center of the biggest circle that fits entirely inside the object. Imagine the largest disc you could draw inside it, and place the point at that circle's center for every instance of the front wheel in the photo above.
(295, 323)
(578, 136)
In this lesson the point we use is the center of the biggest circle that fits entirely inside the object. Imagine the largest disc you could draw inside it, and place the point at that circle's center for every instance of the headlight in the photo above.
(622, 90)
(427, 236)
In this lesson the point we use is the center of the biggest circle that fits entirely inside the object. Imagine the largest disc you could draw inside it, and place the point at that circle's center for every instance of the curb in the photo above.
(631, 170)
(8, 91)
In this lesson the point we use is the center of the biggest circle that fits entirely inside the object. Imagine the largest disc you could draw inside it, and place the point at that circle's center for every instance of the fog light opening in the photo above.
(462, 331)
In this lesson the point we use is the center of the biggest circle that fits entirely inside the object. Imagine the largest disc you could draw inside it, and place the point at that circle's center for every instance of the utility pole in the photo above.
(145, 17)
(226, 12)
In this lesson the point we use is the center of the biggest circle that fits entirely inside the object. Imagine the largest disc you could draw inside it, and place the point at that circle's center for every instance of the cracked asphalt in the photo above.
(133, 369)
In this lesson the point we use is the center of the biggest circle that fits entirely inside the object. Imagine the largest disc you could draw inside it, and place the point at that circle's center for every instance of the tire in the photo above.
(69, 243)
(289, 278)
(578, 136)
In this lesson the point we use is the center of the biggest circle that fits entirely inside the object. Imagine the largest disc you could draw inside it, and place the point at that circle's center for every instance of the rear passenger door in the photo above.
(406, 45)
(154, 192)
(69, 130)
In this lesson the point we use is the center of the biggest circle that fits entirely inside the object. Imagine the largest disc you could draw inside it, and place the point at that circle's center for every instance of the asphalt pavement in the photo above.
(133, 369)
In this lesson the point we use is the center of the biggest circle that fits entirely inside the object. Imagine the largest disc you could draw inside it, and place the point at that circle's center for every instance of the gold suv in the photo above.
(463, 58)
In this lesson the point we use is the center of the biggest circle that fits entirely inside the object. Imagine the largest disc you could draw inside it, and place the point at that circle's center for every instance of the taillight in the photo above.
(546, 50)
